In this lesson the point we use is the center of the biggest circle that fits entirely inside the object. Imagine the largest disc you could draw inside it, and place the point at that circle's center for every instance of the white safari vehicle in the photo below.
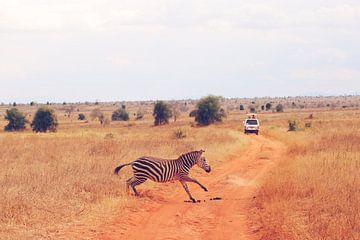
(251, 124)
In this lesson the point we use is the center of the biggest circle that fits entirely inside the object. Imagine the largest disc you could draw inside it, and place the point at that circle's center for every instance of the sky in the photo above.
(115, 50)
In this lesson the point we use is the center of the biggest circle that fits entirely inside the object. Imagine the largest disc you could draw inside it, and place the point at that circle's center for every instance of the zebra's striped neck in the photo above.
(188, 160)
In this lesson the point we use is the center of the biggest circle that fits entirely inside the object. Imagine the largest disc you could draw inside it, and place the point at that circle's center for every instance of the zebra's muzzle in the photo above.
(208, 170)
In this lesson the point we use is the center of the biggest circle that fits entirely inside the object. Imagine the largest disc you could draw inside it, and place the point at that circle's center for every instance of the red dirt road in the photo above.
(166, 216)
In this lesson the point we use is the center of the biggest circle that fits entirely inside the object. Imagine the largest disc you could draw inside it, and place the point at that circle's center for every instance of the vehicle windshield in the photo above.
(252, 122)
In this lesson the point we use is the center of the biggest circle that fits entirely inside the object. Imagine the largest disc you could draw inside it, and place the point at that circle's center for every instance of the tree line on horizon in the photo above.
(207, 111)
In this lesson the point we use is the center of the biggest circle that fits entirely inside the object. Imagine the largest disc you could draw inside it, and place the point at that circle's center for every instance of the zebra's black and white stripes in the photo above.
(164, 170)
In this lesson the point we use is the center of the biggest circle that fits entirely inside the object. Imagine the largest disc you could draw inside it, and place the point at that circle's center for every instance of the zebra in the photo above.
(165, 170)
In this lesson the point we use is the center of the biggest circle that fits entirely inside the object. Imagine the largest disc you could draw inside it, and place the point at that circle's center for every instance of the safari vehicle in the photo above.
(251, 124)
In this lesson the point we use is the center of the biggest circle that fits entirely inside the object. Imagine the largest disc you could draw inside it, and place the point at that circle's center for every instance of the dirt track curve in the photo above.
(234, 182)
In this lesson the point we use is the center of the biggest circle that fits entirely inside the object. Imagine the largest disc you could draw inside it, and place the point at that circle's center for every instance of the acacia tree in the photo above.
(161, 113)
(16, 120)
(268, 106)
(44, 120)
(279, 108)
(208, 110)
(120, 115)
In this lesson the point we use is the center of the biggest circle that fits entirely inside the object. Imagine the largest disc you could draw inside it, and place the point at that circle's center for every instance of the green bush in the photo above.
(268, 106)
(208, 110)
(279, 108)
(120, 115)
(81, 116)
(252, 109)
(44, 120)
(16, 120)
(161, 113)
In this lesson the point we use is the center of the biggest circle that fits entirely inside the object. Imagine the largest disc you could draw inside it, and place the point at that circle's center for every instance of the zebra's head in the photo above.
(201, 162)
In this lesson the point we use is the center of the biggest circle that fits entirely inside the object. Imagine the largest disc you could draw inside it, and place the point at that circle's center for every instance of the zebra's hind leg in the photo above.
(187, 191)
(133, 181)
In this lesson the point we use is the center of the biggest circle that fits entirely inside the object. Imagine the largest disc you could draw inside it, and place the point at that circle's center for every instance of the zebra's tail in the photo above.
(117, 169)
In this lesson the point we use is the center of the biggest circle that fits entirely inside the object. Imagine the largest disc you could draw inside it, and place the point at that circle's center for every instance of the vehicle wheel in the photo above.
(257, 132)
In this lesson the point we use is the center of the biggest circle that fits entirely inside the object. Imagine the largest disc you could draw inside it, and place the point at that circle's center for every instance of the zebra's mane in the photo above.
(188, 153)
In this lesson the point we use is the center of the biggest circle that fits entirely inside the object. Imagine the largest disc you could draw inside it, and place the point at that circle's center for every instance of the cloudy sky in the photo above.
(79, 50)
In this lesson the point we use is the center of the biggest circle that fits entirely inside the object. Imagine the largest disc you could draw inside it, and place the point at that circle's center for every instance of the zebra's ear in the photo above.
(202, 151)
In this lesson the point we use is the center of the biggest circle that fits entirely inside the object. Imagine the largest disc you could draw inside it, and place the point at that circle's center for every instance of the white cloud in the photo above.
(328, 75)
(111, 15)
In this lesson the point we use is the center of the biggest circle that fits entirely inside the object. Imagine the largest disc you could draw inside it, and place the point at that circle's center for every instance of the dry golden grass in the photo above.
(48, 181)
(314, 193)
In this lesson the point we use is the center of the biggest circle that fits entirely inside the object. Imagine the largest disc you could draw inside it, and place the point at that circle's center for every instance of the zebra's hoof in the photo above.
(205, 189)
(193, 200)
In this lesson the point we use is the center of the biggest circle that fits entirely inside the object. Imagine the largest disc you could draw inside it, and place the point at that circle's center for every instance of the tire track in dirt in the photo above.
(235, 181)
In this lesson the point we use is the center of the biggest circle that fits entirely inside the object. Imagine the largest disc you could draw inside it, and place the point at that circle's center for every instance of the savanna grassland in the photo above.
(314, 193)
(50, 180)
(53, 181)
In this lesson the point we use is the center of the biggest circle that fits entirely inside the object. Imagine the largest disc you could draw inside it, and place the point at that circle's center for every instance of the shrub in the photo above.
(252, 109)
(161, 113)
(268, 106)
(208, 110)
(279, 108)
(292, 126)
(98, 114)
(139, 115)
(16, 120)
(14, 104)
(175, 111)
(179, 134)
(193, 113)
(81, 116)
(308, 125)
(242, 107)
(69, 110)
(44, 120)
(120, 115)
(262, 107)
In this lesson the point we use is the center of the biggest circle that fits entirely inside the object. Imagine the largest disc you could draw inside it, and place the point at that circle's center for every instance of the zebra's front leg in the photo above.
(187, 191)
(189, 179)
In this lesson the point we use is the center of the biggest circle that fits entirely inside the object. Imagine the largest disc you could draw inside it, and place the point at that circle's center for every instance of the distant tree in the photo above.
(32, 103)
(44, 120)
(81, 116)
(262, 107)
(14, 104)
(252, 109)
(279, 108)
(208, 110)
(47, 103)
(64, 103)
(16, 120)
(242, 107)
(161, 113)
(120, 115)
(268, 106)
